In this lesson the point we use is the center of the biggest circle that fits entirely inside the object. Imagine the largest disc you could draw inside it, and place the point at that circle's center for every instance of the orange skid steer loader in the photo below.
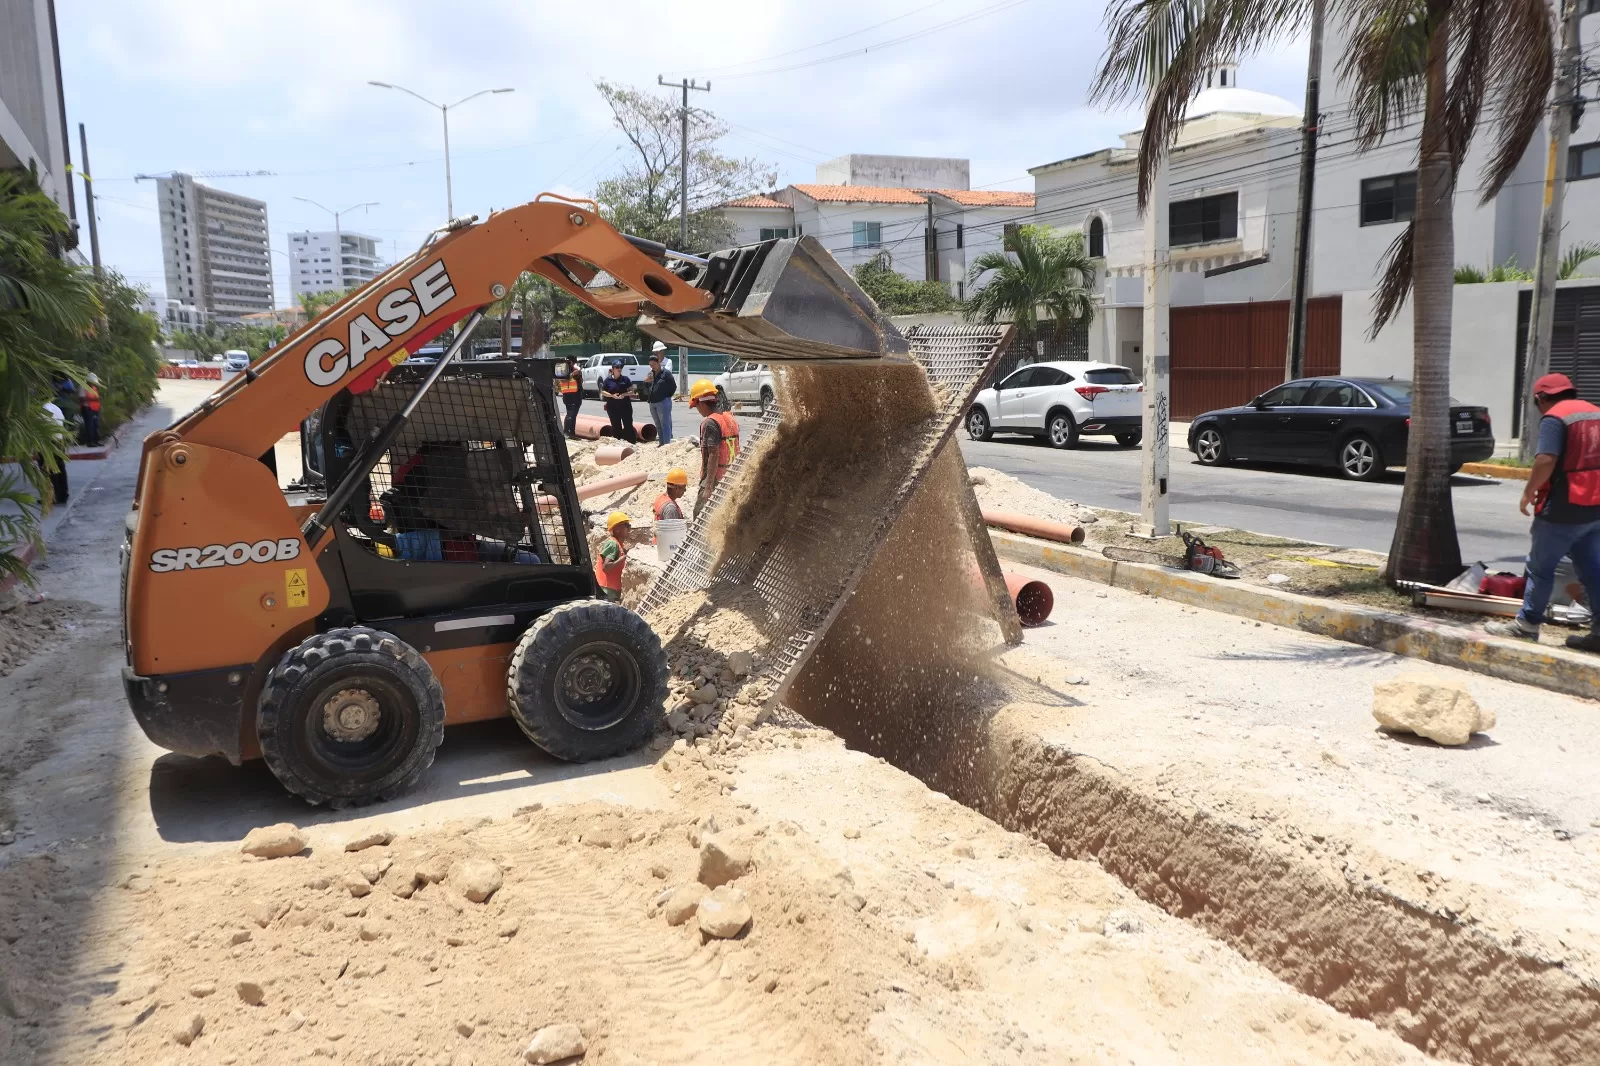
(437, 571)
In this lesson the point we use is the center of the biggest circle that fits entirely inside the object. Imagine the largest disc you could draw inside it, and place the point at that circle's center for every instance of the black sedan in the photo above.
(1356, 425)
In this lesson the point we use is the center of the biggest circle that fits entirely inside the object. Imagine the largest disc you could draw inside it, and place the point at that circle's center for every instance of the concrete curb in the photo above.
(1556, 669)
(1510, 473)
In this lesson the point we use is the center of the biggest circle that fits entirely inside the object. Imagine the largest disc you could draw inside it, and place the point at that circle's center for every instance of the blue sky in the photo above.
(202, 85)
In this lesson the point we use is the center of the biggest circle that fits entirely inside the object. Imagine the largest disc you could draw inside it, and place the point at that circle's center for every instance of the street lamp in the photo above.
(444, 110)
(338, 235)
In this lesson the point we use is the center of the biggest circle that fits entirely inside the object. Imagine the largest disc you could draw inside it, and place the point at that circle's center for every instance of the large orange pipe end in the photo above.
(1027, 524)
(1033, 598)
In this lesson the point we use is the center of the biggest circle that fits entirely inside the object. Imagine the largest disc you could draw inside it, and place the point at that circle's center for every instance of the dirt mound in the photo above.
(27, 627)
(1004, 492)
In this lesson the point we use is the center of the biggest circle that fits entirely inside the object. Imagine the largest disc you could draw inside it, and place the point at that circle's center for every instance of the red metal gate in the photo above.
(1228, 354)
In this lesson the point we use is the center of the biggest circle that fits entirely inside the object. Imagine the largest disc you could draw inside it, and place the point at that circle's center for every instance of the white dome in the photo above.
(1240, 102)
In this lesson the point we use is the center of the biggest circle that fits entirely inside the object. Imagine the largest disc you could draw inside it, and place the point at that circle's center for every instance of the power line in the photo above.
(830, 40)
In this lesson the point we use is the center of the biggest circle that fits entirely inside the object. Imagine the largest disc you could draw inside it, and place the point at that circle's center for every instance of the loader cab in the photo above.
(473, 507)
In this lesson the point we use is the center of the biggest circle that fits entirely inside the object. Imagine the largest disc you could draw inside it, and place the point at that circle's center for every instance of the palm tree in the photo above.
(1448, 60)
(1576, 256)
(1041, 269)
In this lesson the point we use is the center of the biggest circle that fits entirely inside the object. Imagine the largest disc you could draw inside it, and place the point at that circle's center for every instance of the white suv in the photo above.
(235, 360)
(1061, 401)
(745, 382)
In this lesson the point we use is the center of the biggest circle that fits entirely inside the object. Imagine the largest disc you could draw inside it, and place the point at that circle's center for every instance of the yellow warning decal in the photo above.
(296, 594)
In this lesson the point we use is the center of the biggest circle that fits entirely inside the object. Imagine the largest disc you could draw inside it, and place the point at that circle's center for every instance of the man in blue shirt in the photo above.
(659, 388)
(617, 392)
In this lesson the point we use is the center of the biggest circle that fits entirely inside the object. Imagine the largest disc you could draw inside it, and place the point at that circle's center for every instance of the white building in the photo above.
(33, 121)
(173, 315)
(865, 206)
(315, 266)
(214, 247)
(1233, 192)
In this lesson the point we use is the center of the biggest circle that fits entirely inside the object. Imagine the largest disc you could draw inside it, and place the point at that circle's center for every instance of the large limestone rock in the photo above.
(555, 1043)
(274, 841)
(1429, 707)
(722, 860)
(476, 878)
(723, 913)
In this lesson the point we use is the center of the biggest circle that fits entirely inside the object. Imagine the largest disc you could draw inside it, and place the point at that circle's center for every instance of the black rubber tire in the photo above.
(572, 638)
(766, 399)
(978, 427)
(1130, 440)
(1211, 457)
(1060, 429)
(1349, 462)
(323, 769)
(723, 403)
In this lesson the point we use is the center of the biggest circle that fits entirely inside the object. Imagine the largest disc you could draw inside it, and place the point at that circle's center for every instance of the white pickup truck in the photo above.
(635, 368)
(745, 382)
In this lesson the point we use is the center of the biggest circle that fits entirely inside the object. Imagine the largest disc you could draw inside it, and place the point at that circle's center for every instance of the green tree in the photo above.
(643, 198)
(1575, 257)
(1507, 271)
(46, 306)
(1448, 61)
(896, 294)
(1041, 270)
(121, 351)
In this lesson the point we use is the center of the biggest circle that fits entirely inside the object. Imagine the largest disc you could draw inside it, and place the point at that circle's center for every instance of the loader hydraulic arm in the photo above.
(468, 268)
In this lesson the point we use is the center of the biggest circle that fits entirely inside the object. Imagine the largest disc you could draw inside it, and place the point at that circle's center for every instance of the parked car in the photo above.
(1061, 402)
(745, 382)
(1359, 426)
(235, 360)
(634, 368)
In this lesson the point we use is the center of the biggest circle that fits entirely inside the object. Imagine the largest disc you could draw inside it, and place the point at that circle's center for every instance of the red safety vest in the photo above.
(91, 397)
(661, 502)
(1580, 456)
(610, 574)
(729, 449)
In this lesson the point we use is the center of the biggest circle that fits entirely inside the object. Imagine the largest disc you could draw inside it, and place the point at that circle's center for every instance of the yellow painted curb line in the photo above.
(1557, 669)
(1514, 473)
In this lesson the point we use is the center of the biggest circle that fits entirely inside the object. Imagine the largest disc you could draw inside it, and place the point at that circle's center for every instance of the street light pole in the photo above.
(683, 191)
(444, 110)
(338, 236)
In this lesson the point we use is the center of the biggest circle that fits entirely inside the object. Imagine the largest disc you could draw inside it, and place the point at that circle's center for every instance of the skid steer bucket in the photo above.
(797, 579)
(781, 301)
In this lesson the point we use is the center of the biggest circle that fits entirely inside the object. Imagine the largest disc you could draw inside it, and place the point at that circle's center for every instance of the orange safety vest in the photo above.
(569, 383)
(610, 574)
(1580, 456)
(730, 445)
(91, 397)
(661, 503)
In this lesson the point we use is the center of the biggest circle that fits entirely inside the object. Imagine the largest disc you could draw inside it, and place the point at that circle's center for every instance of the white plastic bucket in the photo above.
(670, 534)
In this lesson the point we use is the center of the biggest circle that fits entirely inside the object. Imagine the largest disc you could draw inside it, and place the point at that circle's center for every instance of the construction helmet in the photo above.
(678, 476)
(700, 390)
(658, 347)
(615, 519)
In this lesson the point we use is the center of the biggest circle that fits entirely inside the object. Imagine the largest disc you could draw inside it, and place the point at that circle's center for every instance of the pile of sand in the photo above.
(1004, 492)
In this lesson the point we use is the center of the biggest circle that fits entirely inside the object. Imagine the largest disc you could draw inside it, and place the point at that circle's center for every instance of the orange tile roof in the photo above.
(985, 198)
(861, 194)
(757, 200)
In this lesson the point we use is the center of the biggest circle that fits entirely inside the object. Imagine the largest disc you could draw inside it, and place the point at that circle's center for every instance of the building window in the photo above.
(961, 235)
(1583, 160)
(773, 234)
(866, 234)
(1389, 199)
(1097, 238)
(1209, 218)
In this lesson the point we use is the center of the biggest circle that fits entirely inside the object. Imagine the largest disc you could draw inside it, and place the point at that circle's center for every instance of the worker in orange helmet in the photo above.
(612, 555)
(719, 439)
(666, 505)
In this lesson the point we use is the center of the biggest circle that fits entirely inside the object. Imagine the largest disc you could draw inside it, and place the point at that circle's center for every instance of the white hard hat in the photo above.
(658, 347)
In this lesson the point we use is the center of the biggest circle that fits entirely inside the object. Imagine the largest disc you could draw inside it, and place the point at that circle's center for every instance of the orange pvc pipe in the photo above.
(1031, 597)
(593, 427)
(611, 484)
(1018, 522)
(611, 454)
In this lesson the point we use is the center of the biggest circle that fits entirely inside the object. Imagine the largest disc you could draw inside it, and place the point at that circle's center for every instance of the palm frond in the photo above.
(1396, 284)
(1383, 64)
(1469, 275)
(1519, 72)
(1575, 257)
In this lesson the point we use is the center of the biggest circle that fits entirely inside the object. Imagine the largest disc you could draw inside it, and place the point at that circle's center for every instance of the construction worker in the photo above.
(570, 386)
(666, 505)
(91, 411)
(659, 388)
(719, 439)
(612, 555)
(1564, 491)
(617, 392)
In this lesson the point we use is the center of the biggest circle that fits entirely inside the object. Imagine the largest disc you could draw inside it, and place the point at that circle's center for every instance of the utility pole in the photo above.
(1542, 315)
(1296, 364)
(1153, 516)
(930, 243)
(88, 203)
(338, 235)
(683, 191)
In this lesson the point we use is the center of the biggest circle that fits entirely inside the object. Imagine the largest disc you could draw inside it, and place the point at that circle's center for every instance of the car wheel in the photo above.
(1061, 430)
(978, 427)
(350, 716)
(1359, 459)
(1131, 439)
(588, 681)
(723, 403)
(1210, 447)
(766, 399)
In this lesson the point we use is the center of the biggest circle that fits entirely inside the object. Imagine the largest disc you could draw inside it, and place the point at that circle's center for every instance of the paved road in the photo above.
(1283, 501)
